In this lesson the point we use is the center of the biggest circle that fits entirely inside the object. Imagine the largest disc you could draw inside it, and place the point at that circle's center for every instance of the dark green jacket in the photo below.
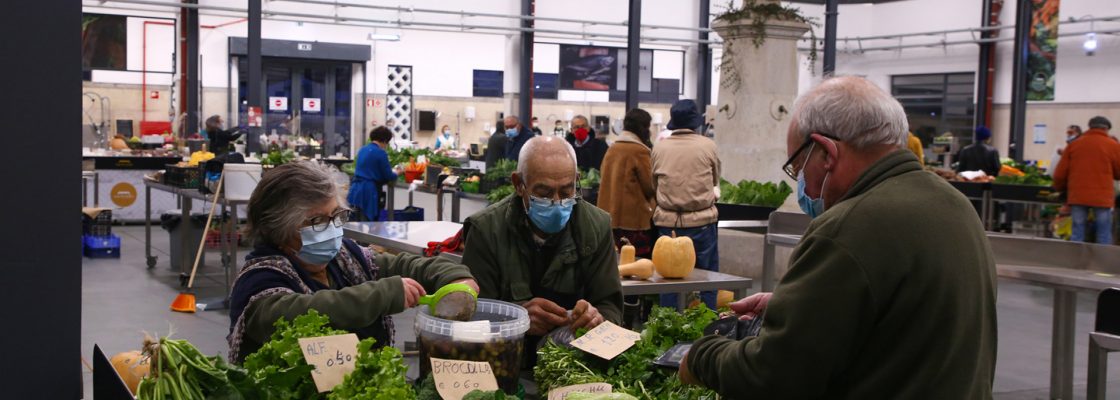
(890, 295)
(582, 264)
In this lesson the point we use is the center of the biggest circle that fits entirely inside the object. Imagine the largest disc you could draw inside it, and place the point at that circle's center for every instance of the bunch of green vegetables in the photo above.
(403, 156)
(754, 193)
(348, 168)
(499, 193)
(632, 371)
(378, 375)
(279, 365)
(1032, 175)
(180, 371)
(501, 170)
(277, 157)
(590, 178)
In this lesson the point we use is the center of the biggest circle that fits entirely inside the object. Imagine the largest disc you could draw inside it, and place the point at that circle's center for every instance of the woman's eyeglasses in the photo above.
(321, 223)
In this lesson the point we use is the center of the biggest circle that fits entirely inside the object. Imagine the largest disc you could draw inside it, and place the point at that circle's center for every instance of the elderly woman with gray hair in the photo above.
(301, 262)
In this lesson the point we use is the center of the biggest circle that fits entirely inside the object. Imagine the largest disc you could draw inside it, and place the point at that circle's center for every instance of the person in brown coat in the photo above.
(1088, 167)
(626, 189)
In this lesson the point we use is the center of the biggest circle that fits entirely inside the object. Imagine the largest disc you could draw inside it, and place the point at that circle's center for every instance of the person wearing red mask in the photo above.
(590, 150)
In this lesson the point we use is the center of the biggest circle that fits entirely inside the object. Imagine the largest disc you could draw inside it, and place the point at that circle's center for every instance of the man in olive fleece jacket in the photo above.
(891, 292)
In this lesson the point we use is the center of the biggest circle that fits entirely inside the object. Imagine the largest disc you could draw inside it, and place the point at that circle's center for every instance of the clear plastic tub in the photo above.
(496, 334)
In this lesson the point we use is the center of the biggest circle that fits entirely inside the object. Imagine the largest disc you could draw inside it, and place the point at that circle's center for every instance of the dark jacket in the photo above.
(979, 157)
(513, 148)
(220, 139)
(365, 288)
(577, 263)
(589, 155)
(496, 148)
(1088, 168)
(883, 300)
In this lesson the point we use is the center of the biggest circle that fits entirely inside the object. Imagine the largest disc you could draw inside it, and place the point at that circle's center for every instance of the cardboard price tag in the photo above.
(332, 356)
(607, 340)
(561, 393)
(455, 378)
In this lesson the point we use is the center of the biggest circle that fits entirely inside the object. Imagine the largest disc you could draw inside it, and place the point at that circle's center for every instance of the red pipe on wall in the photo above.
(993, 20)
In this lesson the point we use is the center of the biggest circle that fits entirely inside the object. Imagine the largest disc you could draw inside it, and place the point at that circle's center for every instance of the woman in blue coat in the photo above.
(371, 173)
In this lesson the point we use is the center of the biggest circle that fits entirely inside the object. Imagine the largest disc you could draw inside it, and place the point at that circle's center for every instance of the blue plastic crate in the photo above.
(101, 246)
(407, 214)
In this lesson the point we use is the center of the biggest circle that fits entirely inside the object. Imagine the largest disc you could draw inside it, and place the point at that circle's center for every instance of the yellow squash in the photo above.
(724, 297)
(626, 255)
(674, 257)
(641, 269)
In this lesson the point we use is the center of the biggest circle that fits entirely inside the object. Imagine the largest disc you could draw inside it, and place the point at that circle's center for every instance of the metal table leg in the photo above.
(986, 209)
(681, 299)
(1061, 350)
(96, 189)
(85, 192)
(227, 245)
(185, 255)
(768, 261)
(439, 204)
(390, 194)
(1098, 369)
(148, 227)
(455, 203)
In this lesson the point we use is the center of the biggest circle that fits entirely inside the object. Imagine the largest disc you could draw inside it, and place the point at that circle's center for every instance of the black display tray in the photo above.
(972, 190)
(743, 212)
(143, 163)
(1023, 193)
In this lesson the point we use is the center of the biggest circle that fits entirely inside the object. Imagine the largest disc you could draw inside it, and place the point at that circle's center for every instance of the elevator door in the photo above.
(305, 99)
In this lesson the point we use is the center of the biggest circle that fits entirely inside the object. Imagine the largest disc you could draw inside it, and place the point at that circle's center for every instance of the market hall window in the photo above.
(937, 104)
(488, 83)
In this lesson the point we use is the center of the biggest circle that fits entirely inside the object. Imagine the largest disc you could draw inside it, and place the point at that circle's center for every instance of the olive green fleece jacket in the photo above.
(890, 295)
(354, 307)
(499, 250)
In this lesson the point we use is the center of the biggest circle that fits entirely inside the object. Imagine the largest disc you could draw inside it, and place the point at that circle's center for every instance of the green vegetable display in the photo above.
(1032, 176)
(631, 372)
(277, 157)
(499, 193)
(427, 391)
(378, 375)
(348, 168)
(590, 178)
(599, 396)
(500, 171)
(402, 156)
(180, 371)
(279, 365)
(754, 193)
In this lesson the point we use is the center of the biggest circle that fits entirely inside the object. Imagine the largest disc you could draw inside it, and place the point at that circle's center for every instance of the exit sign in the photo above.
(303, 46)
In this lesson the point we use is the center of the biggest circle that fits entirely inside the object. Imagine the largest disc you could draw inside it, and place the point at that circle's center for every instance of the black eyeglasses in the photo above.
(320, 223)
(789, 168)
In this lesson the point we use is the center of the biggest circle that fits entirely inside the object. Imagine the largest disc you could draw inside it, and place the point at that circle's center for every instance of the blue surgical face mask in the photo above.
(812, 207)
(320, 247)
(512, 132)
(549, 216)
(447, 133)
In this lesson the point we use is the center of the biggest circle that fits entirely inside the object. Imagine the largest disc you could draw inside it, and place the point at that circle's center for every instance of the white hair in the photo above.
(529, 149)
(854, 110)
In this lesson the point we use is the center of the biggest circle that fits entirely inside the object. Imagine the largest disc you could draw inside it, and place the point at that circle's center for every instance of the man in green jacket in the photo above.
(546, 248)
(891, 292)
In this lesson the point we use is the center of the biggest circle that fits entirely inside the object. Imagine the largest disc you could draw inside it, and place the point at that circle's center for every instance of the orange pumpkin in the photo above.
(674, 257)
(132, 366)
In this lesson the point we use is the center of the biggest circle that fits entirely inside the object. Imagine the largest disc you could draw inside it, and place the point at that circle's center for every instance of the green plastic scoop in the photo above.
(454, 301)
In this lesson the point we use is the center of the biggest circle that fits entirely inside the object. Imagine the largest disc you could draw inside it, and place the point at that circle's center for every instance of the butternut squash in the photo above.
(640, 269)
(626, 254)
(674, 257)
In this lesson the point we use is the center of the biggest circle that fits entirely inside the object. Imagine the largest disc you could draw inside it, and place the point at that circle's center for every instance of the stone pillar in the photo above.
(756, 95)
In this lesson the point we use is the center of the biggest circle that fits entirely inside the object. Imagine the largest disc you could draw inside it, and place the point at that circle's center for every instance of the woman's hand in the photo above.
(469, 282)
(585, 315)
(412, 292)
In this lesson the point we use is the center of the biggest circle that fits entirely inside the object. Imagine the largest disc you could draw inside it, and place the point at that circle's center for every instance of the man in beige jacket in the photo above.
(686, 171)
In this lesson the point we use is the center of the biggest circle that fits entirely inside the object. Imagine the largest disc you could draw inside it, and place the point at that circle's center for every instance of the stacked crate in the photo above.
(98, 240)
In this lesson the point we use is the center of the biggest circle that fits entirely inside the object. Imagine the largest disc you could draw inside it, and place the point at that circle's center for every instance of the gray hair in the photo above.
(279, 204)
(530, 148)
(854, 110)
(580, 116)
(1100, 122)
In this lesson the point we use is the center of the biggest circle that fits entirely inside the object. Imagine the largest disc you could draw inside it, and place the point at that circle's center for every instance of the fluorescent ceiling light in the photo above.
(388, 37)
(1090, 44)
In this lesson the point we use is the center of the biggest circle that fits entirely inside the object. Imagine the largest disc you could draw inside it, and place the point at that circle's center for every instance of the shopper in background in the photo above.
(496, 145)
(626, 190)
(686, 171)
(590, 150)
(302, 262)
(536, 126)
(371, 172)
(518, 134)
(446, 140)
(873, 306)
(1087, 170)
(545, 248)
(915, 145)
(558, 129)
(220, 139)
(980, 156)
(1072, 133)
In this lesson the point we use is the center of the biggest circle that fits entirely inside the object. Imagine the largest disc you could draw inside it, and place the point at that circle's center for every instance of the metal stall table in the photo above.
(88, 176)
(227, 235)
(413, 238)
(1065, 267)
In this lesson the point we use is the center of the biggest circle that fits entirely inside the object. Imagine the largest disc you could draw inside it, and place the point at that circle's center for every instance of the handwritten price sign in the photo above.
(561, 393)
(607, 340)
(332, 356)
(455, 378)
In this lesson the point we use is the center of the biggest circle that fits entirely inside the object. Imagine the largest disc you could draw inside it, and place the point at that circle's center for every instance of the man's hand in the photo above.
(684, 374)
(469, 282)
(752, 306)
(413, 290)
(585, 315)
(544, 316)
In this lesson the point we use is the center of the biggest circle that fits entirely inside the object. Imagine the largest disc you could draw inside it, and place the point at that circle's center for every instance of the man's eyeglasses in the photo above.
(792, 170)
(321, 223)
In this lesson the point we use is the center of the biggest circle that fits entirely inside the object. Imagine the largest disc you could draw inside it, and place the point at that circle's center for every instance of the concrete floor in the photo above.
(122, 299)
